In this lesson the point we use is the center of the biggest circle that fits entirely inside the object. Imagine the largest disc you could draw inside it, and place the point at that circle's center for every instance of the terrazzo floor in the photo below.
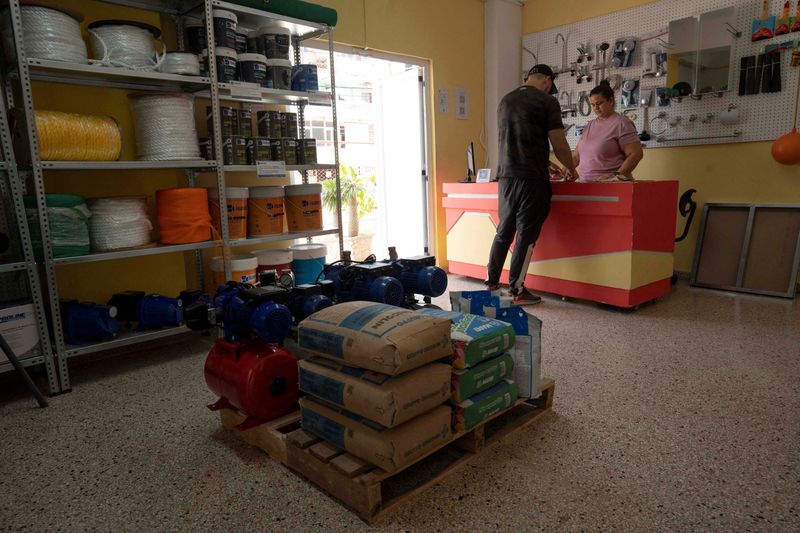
(681, 416)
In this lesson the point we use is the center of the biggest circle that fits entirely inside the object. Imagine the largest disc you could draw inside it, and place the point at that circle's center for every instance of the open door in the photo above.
(401, 173)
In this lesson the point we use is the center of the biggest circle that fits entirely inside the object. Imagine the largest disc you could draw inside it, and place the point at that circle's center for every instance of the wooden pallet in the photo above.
(269, 436)
(374, 494)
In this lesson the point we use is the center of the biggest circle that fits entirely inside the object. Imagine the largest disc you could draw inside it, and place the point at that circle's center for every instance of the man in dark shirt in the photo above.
(528, 117)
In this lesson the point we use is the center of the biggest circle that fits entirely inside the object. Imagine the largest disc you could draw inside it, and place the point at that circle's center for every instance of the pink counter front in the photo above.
(606, 242)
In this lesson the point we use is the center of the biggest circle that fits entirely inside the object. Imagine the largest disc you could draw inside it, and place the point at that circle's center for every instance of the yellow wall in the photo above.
(742, 172)
(448, 33)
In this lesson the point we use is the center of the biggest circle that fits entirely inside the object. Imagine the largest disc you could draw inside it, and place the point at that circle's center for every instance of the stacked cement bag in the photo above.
(375, 387)
(482, 371)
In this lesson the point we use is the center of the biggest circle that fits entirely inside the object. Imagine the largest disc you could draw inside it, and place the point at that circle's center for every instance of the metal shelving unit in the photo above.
(28, 263)
(125, 339)
(128, 165)
(34, 69)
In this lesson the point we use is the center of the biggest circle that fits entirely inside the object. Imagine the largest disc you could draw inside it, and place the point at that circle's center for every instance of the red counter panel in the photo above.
(606, 242)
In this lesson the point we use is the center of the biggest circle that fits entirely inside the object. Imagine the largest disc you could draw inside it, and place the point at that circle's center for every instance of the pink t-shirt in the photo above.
(600, 146)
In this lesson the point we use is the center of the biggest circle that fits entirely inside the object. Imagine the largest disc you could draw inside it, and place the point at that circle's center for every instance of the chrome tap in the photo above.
(563, 51)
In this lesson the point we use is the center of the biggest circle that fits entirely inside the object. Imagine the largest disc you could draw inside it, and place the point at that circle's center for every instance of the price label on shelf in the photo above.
(245, 90)
(271, 169)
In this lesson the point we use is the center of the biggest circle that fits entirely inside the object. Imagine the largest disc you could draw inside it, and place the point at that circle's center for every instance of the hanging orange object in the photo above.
(786, 149)
(183, 215)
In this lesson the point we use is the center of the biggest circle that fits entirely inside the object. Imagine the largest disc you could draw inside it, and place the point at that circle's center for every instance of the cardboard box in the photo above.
(471, 381)
(473, 411)
(387, 400)
(475, 338)
(378, 337)
(389, 449)
(18, 327)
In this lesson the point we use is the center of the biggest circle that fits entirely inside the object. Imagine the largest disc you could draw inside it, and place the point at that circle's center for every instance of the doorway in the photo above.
(383, 151)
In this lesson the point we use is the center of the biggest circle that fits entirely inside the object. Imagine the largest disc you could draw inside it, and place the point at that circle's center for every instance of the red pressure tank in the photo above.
(257, 378)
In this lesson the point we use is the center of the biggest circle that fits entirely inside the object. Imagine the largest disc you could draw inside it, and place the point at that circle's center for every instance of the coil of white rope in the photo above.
(119, 223)
(181, 63)
(51, 34)
(127, 46)
(165, 127)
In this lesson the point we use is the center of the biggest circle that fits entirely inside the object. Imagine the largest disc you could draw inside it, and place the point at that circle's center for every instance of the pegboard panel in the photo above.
(761, 117)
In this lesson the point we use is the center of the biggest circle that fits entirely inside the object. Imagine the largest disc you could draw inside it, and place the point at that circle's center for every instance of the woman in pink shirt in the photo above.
(609, 148)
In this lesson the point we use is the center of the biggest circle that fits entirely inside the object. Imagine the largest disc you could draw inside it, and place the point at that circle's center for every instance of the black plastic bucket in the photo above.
(225, 23)
(227, 64)
(279, 74)
(253, 68)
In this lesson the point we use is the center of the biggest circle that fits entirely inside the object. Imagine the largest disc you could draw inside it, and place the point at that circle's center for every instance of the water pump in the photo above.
(308, 298)
(420, 275)
(373, 282)
(151, 311)
(88, 322)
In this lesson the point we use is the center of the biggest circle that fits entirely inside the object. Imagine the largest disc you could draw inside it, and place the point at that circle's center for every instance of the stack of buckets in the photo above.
(303, 261)
(259, 211)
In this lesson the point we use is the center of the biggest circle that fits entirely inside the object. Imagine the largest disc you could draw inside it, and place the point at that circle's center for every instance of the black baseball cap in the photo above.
(546, 71)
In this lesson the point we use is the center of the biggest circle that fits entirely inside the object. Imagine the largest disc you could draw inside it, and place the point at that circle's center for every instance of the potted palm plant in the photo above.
(356, 198)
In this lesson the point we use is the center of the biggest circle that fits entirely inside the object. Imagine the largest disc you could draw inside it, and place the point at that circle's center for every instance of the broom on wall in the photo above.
(786, 149)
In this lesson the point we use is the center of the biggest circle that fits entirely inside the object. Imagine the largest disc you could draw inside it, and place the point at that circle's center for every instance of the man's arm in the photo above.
(562, 151)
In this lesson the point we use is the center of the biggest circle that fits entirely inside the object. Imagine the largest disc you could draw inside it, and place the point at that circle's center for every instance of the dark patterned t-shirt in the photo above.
(524, 118)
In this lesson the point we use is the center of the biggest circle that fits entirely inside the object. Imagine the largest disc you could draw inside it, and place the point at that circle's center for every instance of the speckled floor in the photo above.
(684, 415)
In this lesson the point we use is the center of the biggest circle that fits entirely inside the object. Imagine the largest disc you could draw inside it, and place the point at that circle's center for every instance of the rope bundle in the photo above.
(51, 34)
(68, 218)
(165, 127)
(74, 137)
(183, 215)
(124, 45)
(119, 223)
(181, 63)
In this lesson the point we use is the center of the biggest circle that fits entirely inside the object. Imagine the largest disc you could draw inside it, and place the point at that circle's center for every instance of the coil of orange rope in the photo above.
(183, 215)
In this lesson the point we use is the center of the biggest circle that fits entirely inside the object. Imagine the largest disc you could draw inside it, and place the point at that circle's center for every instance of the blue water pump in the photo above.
(88, 322)
(151, 311)
(245, 312)
(308, 298)
(420, 275)
(373, 282)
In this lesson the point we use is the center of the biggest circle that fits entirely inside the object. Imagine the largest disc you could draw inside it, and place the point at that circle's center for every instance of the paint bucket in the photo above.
(289, 147)
(279, 74)
(229, 121)
(278, 260)
(304, 206)
(243, 269)
(307, 261)
(245, 127)
(206, 148)
(241, 43)
(265, 212)
(204, 63)
(236, 200)
(253, 68)
(196, 37)
(224, 29)
(289, 126)
(276, 146)
(269, 124)
(234, 150)
(304, 78)
(306, 151)
(226, 64)
(276, 41)
(258, 149)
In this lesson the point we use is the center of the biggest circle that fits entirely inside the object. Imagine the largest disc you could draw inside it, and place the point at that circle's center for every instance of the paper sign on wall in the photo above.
(444, 101)
(462, 103)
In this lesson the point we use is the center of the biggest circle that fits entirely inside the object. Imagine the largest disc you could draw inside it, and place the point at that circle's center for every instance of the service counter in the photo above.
(606, 242)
